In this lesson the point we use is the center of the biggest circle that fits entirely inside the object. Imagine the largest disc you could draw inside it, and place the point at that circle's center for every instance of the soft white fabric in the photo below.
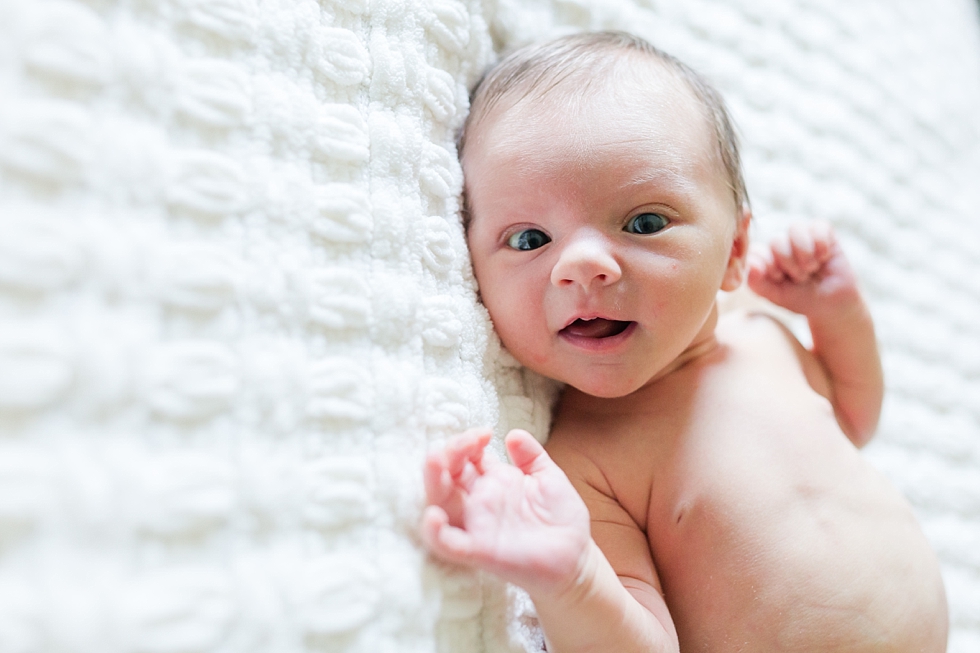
(236, 306)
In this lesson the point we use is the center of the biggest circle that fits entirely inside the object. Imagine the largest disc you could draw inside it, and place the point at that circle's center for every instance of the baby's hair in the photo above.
(537, 70)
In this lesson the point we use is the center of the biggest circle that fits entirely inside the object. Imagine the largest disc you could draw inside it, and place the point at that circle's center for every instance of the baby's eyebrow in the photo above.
(649, 177)
(659, 176)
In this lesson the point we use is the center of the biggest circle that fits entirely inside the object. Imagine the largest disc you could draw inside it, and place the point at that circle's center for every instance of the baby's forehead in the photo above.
(629, 106)
(631, 132)
(560, 105)
(628, 89)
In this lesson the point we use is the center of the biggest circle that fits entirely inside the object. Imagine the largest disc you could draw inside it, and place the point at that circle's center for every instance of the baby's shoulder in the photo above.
(764, 339)
(745, 313)
(755, 327)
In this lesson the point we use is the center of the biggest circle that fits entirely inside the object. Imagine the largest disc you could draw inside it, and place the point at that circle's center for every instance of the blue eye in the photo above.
(528, 239)
(646, 223)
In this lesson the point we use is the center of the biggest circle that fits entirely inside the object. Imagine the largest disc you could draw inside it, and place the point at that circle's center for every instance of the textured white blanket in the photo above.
(236, 305)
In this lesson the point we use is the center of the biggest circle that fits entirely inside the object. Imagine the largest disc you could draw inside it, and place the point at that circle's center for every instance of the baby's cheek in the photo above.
(510, 321)
(520, 334)
(502, 295)
(527, 354)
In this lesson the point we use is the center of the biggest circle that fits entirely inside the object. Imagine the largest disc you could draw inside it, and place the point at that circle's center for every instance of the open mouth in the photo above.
(597, 328)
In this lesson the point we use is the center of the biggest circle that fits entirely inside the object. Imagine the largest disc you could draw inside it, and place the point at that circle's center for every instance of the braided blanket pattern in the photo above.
(236, 306)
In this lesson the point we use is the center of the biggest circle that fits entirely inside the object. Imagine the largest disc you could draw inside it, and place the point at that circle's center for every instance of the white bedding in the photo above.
(236, 306)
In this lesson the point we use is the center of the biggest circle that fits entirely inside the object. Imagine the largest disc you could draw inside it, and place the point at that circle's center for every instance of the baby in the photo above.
(702, 488)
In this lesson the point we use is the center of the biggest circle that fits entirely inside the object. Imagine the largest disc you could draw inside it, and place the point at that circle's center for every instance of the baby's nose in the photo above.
(584, 262)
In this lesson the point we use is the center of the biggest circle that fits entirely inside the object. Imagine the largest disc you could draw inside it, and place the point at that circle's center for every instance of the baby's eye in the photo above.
(528, 239)
(646, 223)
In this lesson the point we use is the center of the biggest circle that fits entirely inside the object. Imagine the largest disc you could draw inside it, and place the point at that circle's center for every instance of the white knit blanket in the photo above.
(236, 305)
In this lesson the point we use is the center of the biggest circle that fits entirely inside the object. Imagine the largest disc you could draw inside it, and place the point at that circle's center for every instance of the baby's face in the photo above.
(601, 234)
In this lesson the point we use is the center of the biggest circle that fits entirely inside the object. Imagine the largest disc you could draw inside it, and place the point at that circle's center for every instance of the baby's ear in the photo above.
(735, 272)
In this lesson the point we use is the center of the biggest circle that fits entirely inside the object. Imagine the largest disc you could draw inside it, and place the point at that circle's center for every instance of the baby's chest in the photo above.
(729, 455)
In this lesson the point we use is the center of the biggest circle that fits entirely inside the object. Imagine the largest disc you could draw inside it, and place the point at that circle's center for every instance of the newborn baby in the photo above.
(702, 488)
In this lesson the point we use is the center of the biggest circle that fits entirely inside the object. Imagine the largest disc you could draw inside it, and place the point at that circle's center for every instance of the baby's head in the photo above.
(605, 208)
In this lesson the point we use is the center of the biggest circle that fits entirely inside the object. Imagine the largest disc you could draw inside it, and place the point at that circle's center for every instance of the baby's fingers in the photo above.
(823, 240)
(804, 250)
(762, 266)
(438, 482)
(460, 461)
(784, 258)
(444, 540)
(464, 457)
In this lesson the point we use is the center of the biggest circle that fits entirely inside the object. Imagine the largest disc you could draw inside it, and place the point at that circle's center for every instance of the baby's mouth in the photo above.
(596, 328)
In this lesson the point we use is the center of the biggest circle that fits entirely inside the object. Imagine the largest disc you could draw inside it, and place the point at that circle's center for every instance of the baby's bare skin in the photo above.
(766, 528)
(717, 500)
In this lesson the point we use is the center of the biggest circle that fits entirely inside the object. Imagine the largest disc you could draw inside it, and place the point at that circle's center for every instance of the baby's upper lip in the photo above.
(585, 317)
(589, 316)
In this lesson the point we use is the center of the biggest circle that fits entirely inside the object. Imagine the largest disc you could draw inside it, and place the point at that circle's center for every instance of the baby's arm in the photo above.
(527, 524)
(806, 272)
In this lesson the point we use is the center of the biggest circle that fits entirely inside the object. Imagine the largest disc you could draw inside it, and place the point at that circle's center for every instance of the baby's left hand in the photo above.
(804, 271)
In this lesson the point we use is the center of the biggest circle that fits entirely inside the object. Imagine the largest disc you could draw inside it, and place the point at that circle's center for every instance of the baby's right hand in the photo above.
(524, 522)
(804, 271)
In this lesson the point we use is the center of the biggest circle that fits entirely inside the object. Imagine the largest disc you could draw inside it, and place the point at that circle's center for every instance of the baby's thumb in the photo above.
(525, 452)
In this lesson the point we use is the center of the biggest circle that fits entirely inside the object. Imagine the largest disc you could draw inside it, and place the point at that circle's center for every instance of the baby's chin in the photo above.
(601, 386)
(599, 390)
